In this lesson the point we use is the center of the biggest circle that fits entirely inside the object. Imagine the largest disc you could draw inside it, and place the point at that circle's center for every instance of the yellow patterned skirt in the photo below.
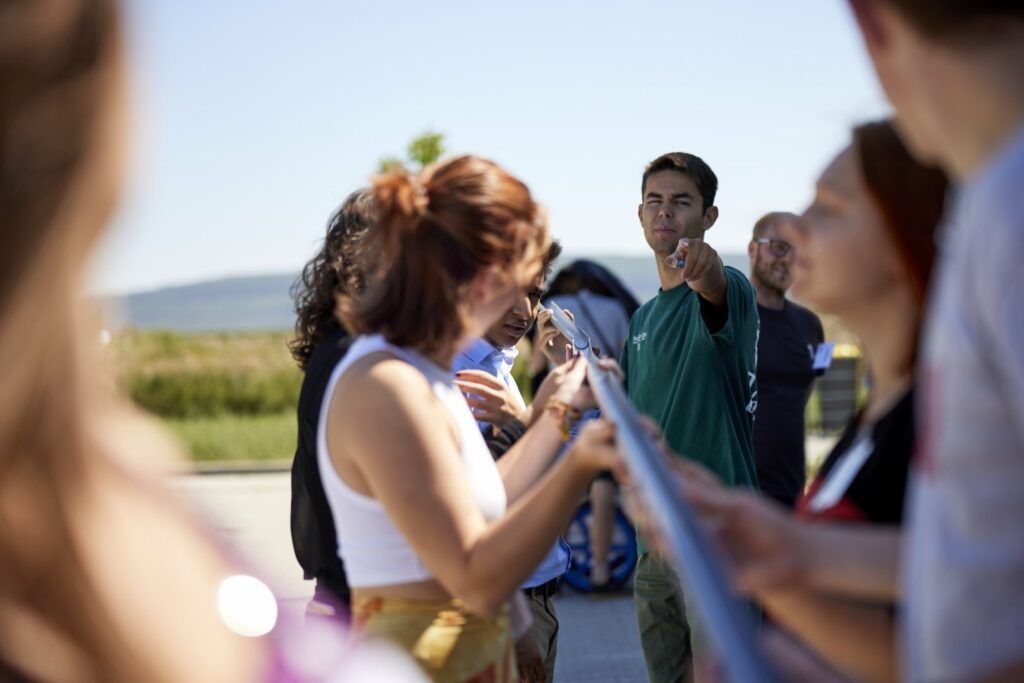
(452, 644)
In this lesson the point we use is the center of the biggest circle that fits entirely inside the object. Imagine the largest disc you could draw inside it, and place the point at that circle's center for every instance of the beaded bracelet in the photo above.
(567, 415)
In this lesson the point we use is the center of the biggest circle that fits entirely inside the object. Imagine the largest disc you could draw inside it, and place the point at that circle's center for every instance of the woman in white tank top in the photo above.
(435, 536)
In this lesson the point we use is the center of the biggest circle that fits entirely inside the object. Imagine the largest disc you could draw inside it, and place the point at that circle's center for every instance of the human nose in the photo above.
(523, 307)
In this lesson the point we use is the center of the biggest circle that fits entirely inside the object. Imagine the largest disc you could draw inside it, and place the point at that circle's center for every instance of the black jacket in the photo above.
(313, 534)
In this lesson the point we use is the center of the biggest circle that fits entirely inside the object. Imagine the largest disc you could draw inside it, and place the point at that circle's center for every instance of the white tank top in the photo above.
(374, 551)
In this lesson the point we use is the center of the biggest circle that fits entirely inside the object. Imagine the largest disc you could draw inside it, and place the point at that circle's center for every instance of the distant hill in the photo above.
(262, 302)
(259, 302)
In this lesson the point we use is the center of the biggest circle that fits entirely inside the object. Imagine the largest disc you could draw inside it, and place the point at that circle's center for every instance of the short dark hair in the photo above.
(689, 165)
(944, 19)
(554, 251)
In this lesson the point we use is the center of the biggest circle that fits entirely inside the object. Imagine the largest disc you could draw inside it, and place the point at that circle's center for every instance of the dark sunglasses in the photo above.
(777, 248)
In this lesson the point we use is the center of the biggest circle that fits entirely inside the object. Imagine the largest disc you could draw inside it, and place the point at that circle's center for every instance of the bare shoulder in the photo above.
(384, 395)
(380, 381)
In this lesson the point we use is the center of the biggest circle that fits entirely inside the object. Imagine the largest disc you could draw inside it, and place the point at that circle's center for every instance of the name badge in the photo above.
(823, 356)
(838, 481)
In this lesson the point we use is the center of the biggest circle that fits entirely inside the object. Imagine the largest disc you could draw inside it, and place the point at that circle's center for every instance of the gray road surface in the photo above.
(598, 641)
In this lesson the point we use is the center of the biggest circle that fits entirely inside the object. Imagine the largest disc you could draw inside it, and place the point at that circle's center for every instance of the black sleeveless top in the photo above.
(313, 533)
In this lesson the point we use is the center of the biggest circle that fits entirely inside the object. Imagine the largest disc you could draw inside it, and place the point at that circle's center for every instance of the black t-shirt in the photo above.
(313, 535)
(785, 356)
(876, 493)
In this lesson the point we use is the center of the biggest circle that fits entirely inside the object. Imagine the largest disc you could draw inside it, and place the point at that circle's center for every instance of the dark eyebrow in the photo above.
(677, 195)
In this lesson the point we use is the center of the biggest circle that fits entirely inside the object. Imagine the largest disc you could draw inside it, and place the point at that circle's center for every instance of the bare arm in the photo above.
(532, 455)
(770, 549)
(1011, 673)
(855, 560)
(417, 475)
(858, 638)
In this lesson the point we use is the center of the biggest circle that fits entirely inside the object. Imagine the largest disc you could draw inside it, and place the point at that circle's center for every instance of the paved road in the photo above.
(598, 641)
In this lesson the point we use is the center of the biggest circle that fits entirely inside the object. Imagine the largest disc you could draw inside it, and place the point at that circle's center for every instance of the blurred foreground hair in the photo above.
(60, 88)
(911, 198)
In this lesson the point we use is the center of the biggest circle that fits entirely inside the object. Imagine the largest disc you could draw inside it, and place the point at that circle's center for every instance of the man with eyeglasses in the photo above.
(790, 335)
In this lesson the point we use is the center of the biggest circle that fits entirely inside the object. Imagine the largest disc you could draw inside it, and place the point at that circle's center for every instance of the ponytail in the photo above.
(436, 232)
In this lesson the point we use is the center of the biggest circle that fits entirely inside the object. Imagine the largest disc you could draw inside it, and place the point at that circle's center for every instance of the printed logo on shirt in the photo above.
(752, 403)
(639, 339)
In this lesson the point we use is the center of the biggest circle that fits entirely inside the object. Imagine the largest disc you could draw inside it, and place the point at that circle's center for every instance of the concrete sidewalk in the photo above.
(598, 640)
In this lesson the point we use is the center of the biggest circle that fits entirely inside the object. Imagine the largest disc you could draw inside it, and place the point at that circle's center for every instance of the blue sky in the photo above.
(252, 121)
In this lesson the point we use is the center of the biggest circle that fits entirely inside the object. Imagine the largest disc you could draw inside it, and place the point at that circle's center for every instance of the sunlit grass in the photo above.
(206, 375)
(237, 437)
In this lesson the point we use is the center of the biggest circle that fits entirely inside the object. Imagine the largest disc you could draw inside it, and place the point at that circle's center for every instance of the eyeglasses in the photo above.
(777, 248)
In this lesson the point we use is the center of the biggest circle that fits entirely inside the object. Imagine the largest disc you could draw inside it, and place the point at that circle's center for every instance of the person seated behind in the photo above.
(602, 306)
(484, 373)
(499, 406)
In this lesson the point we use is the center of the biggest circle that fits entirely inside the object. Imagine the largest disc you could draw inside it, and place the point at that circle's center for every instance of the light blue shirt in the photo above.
(481, 355)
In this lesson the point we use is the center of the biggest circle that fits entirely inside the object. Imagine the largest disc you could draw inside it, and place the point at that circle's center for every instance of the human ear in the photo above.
(710, 216)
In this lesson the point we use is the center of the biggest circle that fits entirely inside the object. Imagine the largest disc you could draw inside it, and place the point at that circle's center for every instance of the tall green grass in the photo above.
(232, 396)
(208, 375)
(228, 396)
(237, 437)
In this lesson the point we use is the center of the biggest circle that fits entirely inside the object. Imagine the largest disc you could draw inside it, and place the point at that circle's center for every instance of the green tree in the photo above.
(427, 148)
(422, 151)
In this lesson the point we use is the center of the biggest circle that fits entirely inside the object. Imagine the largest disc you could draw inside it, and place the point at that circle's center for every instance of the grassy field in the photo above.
(207, 375)
(232, 397)
(237, 437)
(228, 397)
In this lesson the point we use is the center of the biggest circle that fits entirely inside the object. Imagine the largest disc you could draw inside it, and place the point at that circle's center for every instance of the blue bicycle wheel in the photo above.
(621, 553)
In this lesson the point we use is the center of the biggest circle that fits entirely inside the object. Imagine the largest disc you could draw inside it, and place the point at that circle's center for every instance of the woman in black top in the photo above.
(863, 252)
(319, 345)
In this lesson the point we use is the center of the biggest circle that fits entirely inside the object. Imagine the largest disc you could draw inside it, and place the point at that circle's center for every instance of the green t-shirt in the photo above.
(701, 388)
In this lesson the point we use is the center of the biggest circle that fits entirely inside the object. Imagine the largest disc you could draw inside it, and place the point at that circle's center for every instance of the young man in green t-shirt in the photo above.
(690, 363)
